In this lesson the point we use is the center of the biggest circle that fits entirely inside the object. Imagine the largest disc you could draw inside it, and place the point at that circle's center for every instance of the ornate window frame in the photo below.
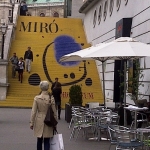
(94, 18)
(99, 14)
(42, 14)
(29, 14)
(56, 13)
(126, 1)
(111, 7)
(105, 10)
(118, 3)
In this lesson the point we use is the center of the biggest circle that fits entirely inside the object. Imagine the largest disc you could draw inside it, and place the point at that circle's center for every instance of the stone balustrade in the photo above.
(4, 62)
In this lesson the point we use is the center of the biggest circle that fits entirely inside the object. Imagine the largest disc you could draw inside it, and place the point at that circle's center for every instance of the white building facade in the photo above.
(44, 8)
(5, 11)
(100, 21)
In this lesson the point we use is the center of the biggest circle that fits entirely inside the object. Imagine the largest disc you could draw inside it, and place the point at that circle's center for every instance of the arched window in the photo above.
(28, 14)
(126, 1)
(105, 10)
(111, 6)
(118, 2)
(100, 14)
(94, 19)
(55, 14)
(42, 15)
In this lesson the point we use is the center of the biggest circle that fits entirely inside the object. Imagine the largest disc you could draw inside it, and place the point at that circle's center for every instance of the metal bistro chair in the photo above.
(128, 140)
(147, 143)
(146, 132)
(141, 119)
(75, 110)
(76, 126)
(103, 122)
(114, 118)
(82, 121)
(112, 133)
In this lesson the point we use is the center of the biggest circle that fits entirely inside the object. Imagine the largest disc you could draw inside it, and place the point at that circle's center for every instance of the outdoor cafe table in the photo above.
(97, 114)
(143, 130)
(135, 109)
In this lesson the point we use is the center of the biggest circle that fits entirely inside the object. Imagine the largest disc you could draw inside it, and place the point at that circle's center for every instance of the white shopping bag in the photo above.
(56, 143)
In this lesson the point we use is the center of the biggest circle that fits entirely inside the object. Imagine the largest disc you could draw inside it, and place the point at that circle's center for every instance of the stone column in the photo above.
(3, 79)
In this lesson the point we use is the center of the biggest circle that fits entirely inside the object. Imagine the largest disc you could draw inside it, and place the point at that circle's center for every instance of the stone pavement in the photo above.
(15, 133)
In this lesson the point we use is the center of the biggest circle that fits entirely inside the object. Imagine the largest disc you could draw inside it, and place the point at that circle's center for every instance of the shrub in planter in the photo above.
(75, 99)
(75, 95)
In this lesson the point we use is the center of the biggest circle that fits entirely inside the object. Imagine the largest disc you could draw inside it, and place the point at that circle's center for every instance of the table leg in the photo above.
(135, 121)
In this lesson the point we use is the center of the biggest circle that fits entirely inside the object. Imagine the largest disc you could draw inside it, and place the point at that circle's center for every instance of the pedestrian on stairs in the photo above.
(14, 61)
(28, 57)
(56, 92)
(21, 66)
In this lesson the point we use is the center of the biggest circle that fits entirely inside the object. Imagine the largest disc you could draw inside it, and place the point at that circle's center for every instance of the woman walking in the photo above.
(38, 113)
(21, 67)
(56, 92)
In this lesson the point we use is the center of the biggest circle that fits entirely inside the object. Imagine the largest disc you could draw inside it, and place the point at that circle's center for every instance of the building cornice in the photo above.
(4, 84)
(45, 4)
(3, 62)
(87, 5)
(5, 5)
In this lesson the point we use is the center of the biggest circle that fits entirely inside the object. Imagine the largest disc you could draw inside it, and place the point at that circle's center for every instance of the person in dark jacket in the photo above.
(28, 57)
(53, 85)
(14, 61)
(56, 92)
(23, 9)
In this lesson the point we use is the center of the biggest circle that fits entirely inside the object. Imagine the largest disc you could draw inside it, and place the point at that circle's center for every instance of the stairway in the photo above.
(50, 38)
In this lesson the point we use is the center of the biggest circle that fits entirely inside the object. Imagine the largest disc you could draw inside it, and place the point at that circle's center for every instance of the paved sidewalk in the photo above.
(15, 133)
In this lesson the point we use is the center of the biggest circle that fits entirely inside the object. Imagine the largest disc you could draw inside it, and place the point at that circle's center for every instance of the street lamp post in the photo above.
(3, 30)
(12, 11)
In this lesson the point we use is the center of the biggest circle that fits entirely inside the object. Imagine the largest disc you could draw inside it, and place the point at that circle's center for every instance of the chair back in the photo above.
(112, 134)
(123, 136)
(114, 118)
(120, 133)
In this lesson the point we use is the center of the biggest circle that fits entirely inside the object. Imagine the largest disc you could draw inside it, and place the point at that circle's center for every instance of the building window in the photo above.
(10, 13)
(126, 1)
(105, 10)
(111, 6)
(28, 14)
(100, 14)
(55, 14)
(118, 2)
(42, 15)
(94, 19)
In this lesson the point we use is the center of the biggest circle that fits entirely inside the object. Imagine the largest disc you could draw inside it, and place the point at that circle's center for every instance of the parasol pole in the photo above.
(103, 82)
(125, 69)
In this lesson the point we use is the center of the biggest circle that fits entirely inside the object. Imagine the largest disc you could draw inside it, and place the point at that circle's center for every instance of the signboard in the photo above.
(123, 27)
